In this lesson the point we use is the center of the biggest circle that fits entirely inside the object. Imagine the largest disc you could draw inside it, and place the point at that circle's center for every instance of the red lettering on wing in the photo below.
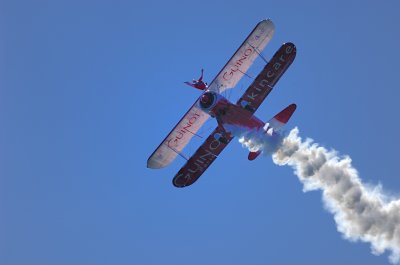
(236, 66)
(174, 141)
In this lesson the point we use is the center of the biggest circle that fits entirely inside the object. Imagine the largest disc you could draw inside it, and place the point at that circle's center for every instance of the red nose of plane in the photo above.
(205, 98)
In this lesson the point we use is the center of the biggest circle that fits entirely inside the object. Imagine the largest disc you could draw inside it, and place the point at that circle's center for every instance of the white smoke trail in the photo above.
(361, 212)
(254, 140)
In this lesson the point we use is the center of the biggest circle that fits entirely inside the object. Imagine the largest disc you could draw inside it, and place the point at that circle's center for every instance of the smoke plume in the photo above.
(254, 140)
(361, 212)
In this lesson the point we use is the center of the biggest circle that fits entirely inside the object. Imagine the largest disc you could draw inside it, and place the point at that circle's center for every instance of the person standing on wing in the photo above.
(199, 84)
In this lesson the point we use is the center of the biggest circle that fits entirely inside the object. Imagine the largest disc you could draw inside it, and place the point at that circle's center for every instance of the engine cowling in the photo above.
(210, 102)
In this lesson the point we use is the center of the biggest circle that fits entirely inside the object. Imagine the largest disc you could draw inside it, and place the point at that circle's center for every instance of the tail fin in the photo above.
(276, 123)
(280, 119)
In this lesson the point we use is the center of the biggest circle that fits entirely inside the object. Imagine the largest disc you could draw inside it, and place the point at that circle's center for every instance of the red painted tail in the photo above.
(253, 155)
(276, 123)
(280, 119)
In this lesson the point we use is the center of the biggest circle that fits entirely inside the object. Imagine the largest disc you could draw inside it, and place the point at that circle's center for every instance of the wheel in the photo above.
(223, 140)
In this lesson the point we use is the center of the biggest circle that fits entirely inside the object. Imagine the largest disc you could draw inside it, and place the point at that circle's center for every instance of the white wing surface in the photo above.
(244, 57)
(227, 78)
(178, 138)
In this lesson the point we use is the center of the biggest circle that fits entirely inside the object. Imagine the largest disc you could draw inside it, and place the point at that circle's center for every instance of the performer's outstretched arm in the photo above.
(201, 77)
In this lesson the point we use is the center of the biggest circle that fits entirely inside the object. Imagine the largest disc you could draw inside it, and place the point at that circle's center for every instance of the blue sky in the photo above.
(88, 89)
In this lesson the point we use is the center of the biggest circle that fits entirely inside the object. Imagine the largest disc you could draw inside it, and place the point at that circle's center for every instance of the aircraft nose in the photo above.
(206, 100)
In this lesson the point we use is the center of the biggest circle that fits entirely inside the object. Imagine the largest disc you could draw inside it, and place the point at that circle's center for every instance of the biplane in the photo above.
(212, 104)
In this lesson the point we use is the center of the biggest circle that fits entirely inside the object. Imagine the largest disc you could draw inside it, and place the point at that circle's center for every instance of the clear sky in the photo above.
(88, 89)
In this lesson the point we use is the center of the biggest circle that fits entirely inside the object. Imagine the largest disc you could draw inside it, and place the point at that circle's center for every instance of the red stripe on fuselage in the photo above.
(232, 114)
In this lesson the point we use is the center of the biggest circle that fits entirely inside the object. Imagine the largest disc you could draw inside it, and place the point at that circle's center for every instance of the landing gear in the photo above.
(222, 112)
(221, 138)
(246, 105)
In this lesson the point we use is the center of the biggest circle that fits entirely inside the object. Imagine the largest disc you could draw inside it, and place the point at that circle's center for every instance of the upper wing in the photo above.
(243, 58)
(268, 77)
(201, 160)
(178, 138)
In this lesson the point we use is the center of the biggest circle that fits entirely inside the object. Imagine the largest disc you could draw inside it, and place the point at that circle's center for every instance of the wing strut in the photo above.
(259, 53)
(195, 134)
(201, 159)
(268, 77)
(246, 74)
(180, 154)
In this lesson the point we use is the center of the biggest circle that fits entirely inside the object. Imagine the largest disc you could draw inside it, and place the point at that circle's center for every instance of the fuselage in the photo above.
(228, 113)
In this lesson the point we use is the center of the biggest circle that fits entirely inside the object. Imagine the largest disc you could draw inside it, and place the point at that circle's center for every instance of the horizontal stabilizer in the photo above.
(280, 119)
(276, 123)
(253, 155)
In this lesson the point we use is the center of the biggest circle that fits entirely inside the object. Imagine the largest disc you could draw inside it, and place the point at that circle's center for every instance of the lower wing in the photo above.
(202, 159)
